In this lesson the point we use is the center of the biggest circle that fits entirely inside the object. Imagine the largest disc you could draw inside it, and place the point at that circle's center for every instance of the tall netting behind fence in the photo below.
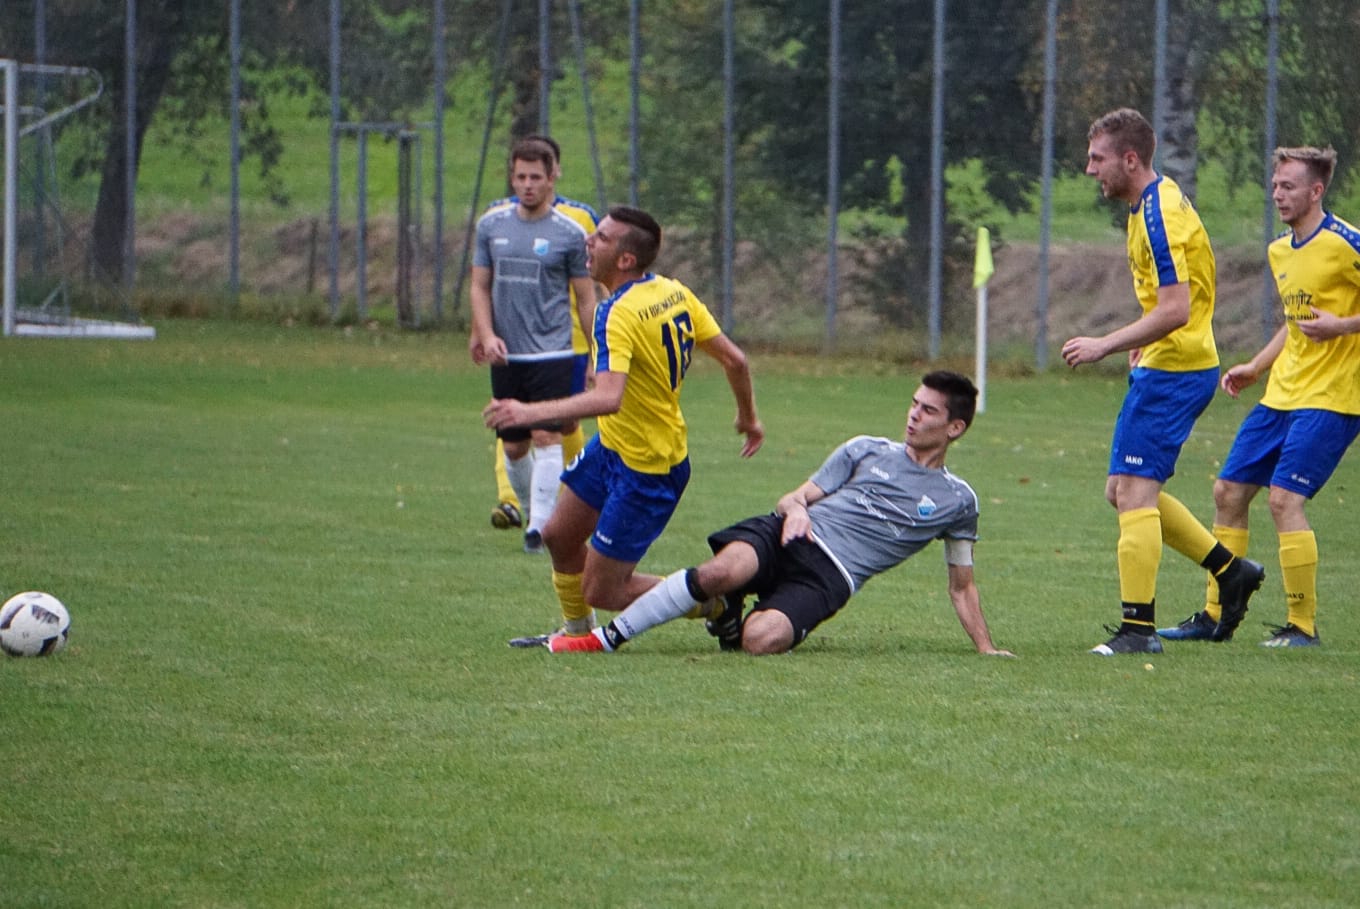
(716, 115)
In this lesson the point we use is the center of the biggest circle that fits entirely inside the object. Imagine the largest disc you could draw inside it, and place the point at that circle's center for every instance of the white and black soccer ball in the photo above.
(33, 624)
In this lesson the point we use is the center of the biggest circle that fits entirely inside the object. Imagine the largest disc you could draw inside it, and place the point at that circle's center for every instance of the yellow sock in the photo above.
(710, 609)
(1182, 531)
(1140, 555)
(504, 491)
(1298, 568)
(572, 443)
(577, 616)
(1234, 539)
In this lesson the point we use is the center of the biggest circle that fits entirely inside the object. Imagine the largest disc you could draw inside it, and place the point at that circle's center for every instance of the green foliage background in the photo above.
(991, 144)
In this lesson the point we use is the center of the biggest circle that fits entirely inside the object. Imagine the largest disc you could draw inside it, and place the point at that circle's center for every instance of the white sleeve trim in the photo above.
(958, 552)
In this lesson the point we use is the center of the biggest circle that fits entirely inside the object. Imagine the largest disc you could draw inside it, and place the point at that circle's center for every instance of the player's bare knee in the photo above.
(1220, 494)
(554, 541)
(763, 646)
(766, 633)
(1231, 501)
(1286, 507)
(1112, 491)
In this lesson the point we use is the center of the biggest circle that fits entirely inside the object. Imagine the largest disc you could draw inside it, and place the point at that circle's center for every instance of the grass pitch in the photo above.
(288, 685)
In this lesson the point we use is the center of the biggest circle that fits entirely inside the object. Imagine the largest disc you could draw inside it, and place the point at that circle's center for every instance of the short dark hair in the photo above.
(959, 391)
(548, 141)
(1321, 162)
(643, 239)
(534, 150)
(1129, 130)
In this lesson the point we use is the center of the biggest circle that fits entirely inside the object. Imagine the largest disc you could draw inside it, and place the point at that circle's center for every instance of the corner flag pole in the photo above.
(982, 273)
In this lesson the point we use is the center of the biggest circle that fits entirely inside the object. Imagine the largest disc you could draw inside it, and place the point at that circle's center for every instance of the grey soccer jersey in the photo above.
(532, 263)
(870, 482)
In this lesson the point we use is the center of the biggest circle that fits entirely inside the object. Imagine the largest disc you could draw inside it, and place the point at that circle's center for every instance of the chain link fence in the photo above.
(821, 169)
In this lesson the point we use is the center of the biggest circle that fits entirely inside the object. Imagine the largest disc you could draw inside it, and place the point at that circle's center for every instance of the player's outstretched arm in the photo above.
(963, 593)
(604, 397)
(1171, 312)
(738, 369)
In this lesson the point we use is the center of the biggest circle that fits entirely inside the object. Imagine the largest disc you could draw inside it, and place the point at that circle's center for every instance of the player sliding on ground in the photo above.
(873, 504)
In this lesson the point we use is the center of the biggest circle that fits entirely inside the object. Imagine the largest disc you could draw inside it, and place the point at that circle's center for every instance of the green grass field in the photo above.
(288, 685)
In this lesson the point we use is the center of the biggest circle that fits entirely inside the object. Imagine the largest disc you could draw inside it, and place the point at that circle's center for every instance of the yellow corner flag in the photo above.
(982, 263)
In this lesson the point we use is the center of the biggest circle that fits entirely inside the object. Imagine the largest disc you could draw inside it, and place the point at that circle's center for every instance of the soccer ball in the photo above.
(33, 624)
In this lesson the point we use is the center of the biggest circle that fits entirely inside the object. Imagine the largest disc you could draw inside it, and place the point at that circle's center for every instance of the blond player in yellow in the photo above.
(508, 512)
(620, 493)
(1173, 373)
(1292, 441)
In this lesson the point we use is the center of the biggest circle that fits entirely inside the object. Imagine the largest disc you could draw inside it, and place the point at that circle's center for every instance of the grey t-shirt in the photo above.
(881, 507)
(532, 263)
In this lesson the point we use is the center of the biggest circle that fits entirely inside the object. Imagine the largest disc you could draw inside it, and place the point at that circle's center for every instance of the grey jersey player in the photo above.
(871, 505)
(879, 507)
(532, 264)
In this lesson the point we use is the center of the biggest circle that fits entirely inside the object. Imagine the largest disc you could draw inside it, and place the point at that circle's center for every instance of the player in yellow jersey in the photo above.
(1173, 373)
(622, 490)
(1292, 441)
(508, 512)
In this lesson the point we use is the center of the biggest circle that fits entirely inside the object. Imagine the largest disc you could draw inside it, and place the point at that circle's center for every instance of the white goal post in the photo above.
(22, 119)
(11, 218)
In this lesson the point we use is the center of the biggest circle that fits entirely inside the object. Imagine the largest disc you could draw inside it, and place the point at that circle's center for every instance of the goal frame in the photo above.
(12, 131)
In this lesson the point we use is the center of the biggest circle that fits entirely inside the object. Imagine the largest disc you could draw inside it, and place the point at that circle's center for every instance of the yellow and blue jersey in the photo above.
(585, 216)
(647, 329)
(1167, 245)
(1322, 272)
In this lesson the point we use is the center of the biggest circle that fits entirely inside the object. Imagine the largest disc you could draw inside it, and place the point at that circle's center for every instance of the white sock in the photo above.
(521, 477)
(668, 600)
(547, 477)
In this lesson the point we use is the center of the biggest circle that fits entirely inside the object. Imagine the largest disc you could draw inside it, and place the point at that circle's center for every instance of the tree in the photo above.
(1318, 70)
(182, 69)
(886, 96)
(1215, 78)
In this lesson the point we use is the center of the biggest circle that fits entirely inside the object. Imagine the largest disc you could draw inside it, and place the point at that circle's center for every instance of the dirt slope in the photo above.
(1089, 287)
(1090, 292)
